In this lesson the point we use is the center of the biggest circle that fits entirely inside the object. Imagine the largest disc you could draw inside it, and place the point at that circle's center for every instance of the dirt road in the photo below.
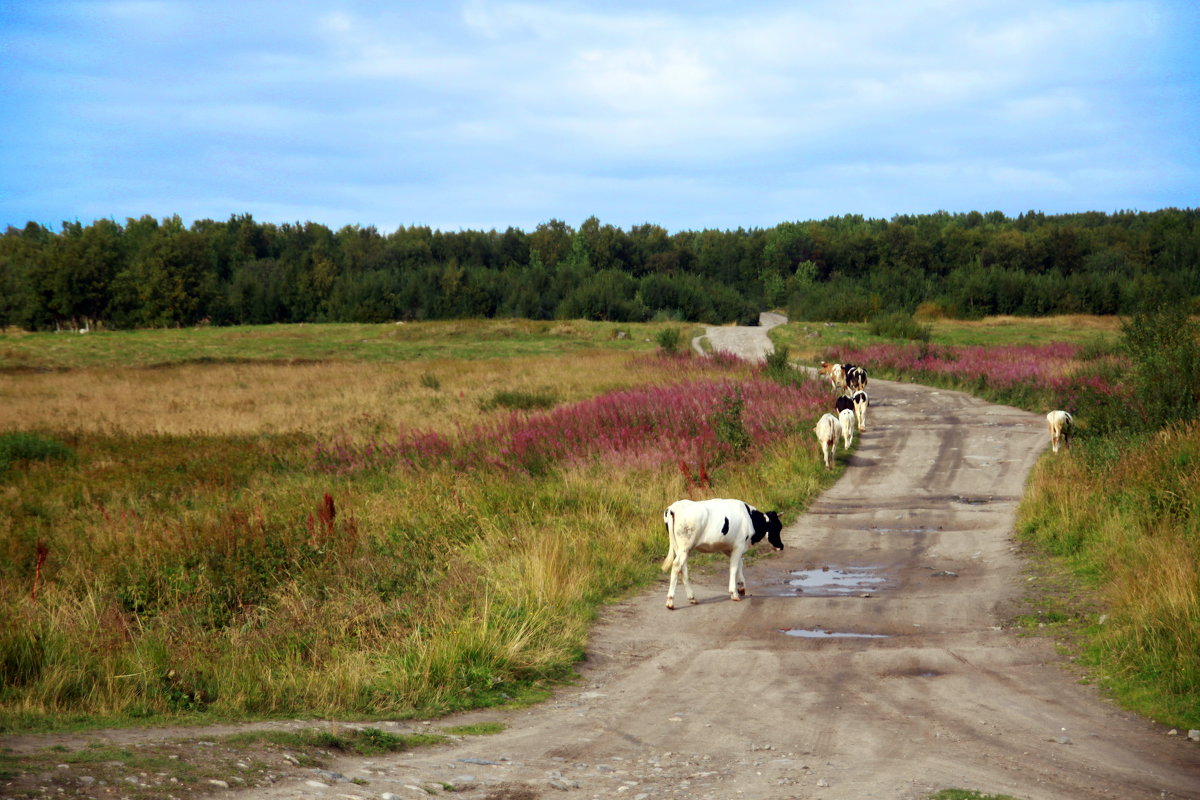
(870, 661)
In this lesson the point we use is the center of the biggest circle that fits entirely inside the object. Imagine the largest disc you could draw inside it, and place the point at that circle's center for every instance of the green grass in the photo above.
(22, 446)
(808, 340)
(464, 339)
(1121, 517)
(353, 741)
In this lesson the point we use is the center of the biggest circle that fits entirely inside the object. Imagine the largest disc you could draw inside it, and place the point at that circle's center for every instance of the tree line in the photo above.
(152, 273)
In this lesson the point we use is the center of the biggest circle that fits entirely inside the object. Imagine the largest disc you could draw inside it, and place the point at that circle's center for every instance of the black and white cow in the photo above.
(715, 526)
(861, 403)
(856, 378)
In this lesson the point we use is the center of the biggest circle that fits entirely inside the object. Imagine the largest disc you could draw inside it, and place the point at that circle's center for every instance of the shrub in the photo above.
(726, 422)
(898, 325)
(778, 368)
(668, 339)
(1162, 341)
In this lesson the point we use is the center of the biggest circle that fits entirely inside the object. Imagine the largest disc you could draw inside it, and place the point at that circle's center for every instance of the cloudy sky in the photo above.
(481, 114)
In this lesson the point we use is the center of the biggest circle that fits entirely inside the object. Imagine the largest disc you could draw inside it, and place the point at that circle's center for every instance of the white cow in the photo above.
(861, 402)
(849, 426)
(1060, 424)
(828, 429)
(715, 526)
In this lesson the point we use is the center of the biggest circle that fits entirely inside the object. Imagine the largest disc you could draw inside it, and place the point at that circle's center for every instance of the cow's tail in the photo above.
(669, 521)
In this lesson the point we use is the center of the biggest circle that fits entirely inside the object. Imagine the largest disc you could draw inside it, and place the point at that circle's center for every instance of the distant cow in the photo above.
(856, 378)
(849, 426)
(835, 374)
(715, 526)
(861, 402)
(828, 429)
(1060, 424)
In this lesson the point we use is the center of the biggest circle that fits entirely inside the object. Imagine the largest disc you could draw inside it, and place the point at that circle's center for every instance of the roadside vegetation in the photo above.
(1119, 513)
(266, 536)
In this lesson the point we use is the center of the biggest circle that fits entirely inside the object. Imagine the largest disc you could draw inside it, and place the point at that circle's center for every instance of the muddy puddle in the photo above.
(834, 582)
(820, 633)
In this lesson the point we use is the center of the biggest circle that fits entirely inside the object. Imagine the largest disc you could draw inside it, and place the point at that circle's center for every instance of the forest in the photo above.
(149, 273)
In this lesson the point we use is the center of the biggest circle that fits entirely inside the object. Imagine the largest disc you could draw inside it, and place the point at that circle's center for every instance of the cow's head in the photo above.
(767, 525)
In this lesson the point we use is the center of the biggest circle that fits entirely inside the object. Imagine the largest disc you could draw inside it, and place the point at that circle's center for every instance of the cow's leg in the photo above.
(674, 580)
(687, 585)
(740, 584)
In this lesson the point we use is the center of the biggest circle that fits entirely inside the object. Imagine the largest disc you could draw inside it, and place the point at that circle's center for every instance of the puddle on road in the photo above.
(818, 633)
(836, 582)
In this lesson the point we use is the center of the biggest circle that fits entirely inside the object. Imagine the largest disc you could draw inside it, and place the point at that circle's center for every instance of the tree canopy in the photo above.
(150, 272)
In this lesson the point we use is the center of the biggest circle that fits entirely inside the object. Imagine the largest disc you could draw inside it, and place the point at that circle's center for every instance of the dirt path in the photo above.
(745, 341)
(904, 683)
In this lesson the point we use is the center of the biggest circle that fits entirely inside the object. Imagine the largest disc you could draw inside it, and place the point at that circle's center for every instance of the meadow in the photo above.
(403, 520)
(235, 530)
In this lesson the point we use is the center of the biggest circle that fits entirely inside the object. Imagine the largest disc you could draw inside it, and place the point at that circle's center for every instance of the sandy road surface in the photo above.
(904, 683)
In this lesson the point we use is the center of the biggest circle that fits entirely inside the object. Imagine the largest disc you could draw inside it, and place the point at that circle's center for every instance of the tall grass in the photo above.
(228, 575)
(1127, 518)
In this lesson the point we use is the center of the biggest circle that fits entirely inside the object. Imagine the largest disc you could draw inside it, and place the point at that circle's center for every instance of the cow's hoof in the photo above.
(742, 590)
(735, 598)
(670, 606)
(693, 601)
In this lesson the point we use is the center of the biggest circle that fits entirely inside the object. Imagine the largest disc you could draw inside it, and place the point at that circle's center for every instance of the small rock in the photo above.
(822, 783)
(316, 784)
(331, 775)
(1194, 735)
(480, 761)
(945, 573)
(218, 783)
(1064, 740)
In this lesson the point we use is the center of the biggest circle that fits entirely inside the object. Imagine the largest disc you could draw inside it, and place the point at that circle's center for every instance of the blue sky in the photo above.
(488, 114)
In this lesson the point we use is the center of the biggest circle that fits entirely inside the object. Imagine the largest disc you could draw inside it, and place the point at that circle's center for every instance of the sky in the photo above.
(695, 114)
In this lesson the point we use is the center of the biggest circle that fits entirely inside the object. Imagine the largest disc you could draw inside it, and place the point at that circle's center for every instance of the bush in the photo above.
(668, 339)
(778, 368)
(898, 325)
(727, 425)
(1162, 341)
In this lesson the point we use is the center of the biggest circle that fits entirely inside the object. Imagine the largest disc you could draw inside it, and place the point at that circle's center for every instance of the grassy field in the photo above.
(458, 340)
(319, 520)
(300, 527)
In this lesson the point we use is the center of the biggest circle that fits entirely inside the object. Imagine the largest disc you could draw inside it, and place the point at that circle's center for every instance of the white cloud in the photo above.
(713, 111)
